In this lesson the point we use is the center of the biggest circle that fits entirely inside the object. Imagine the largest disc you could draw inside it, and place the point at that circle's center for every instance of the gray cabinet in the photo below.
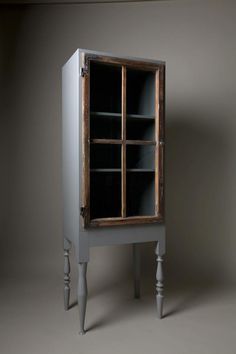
(113, 160)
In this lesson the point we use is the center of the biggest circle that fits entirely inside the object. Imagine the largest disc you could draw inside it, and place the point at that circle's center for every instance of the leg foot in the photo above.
(136, 265)
(67, 246)
(159, 284)
(82, 295)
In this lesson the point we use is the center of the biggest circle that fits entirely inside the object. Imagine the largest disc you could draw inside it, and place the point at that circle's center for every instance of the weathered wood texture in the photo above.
(119, 142)
(158, 70)
(137, 64)
(85, 147)
(157, 131)
(161, 165)
(126, 221)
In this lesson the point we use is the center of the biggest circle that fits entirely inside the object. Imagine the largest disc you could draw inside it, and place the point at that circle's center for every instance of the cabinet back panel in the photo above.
(140, 156)
(140, 92)
(140, 129)
(140, 194)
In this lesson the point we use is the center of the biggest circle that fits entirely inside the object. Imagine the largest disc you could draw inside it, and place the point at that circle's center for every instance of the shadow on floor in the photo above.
(188, 296)
(179, 298)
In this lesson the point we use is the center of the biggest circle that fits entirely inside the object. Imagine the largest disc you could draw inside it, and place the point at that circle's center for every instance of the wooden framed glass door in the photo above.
(123, 141)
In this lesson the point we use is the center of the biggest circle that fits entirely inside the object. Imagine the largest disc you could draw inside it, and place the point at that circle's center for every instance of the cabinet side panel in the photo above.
(70, 147)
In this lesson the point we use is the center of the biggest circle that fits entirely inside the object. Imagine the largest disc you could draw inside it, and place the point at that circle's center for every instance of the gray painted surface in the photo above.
(70, 149)
(67, 246)
(159, 284)
(82, 294)
(83, 238)
(136, 266)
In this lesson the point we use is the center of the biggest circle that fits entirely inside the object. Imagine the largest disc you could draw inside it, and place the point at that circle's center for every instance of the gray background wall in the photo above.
(197, 41)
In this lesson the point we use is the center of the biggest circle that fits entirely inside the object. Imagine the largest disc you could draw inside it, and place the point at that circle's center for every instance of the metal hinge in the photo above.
(161, 142)
(82, 211)
(83, 72)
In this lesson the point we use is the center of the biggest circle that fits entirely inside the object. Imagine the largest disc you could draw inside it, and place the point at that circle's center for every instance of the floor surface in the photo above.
(198, 319)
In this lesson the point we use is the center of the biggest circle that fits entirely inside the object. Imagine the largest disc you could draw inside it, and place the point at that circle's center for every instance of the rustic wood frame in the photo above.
(159, 70)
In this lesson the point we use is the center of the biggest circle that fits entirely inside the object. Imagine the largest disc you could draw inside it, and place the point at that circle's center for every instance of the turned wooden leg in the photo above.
(82, 294)
(136, 267)
(159, 283)
(67, 247)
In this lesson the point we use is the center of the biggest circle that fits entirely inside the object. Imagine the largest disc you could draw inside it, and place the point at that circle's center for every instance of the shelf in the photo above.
(118, 141)
(105, 114)
(105, 170)
(141, 116)
(107, 125)
(118, 115)
(105, 141)
(119, 170)
(140, 142)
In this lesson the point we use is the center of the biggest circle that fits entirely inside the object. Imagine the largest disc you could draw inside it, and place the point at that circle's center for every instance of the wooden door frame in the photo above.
(159, 70)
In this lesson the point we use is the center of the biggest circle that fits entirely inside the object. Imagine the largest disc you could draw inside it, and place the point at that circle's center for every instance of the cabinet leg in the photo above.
(67, 246)
(136, 267)
(82, 294)
(159, 283)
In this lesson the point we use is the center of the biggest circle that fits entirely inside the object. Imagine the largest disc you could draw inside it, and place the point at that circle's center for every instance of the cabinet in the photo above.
(113, 160)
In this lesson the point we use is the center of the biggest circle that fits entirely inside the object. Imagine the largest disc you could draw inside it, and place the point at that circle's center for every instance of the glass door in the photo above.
(123, 164)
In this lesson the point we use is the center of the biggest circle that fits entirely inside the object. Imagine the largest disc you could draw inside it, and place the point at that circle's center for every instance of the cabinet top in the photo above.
(88, 51)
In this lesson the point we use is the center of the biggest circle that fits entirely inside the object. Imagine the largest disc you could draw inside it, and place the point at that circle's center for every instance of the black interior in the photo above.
(105, 126)
(105, 156)
(105, 194)
(105, 88)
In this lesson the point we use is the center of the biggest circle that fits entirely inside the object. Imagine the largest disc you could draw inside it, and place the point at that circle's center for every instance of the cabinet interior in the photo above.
(140, 193)
(105, 194)
(103, 156)
(122, 125)
(141, 92)
(105, 88)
